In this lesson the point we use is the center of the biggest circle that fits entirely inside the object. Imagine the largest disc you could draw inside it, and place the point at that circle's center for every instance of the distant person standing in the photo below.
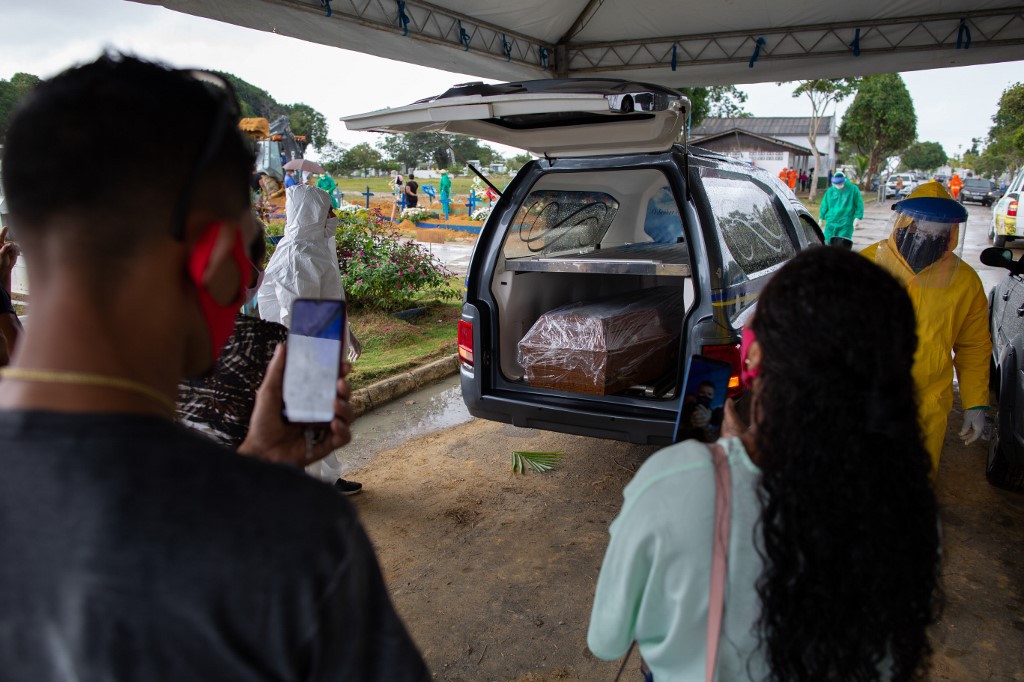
(445, 186)
(445, 191)
(841, 209)
(803, 181)
(327, 184)
(955, 185)
(411, 187)
(791, 178)
(784, 175)
(398, 184)
(289, 179)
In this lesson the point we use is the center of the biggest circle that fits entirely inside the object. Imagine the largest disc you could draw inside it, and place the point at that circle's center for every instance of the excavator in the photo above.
(275, 146)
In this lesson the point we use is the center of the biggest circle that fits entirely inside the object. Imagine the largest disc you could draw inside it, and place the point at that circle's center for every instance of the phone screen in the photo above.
(703, 408)
(313, 360)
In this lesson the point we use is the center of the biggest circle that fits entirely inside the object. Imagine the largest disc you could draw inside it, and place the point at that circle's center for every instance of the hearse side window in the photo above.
(559, 221)
(749, 222)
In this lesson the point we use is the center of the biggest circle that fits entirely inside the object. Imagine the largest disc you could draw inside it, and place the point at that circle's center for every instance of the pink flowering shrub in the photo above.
(383, 270)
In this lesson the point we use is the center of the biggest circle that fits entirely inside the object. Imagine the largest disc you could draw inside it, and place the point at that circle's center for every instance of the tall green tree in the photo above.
(924, 156)
(408, 151)
(881, 121)
(518, 161)
(362, 157)
(724, 101)
(414, 149)
(331, 158)
(821, 92)
(11, 92)
(307, 121)
(469, 148)
(340, 161)
(1005, 150)
(1009, 118)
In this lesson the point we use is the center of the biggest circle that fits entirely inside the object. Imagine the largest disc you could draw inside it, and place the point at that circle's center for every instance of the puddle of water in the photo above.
(432, 408)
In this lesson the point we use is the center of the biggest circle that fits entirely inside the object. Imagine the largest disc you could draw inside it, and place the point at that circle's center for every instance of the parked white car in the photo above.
(909, 183)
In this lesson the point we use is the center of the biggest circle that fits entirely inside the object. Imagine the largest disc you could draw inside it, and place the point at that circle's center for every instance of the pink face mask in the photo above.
(747, 375)
(219, 318)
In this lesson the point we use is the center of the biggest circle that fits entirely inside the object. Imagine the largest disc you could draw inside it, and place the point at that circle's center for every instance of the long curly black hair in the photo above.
(850, 536)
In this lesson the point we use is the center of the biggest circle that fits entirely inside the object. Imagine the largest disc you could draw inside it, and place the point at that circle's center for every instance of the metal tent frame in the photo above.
(659, 41)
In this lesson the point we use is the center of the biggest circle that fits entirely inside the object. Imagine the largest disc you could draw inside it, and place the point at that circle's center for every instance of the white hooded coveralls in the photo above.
(304, 265)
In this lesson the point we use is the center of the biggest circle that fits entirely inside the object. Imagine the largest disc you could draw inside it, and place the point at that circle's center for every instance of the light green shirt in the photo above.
(656, 576)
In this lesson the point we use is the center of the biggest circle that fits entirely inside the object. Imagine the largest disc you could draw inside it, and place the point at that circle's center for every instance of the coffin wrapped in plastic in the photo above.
(605, 345)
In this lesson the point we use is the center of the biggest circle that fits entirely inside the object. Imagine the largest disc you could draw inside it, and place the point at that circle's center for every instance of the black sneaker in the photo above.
(347, 487)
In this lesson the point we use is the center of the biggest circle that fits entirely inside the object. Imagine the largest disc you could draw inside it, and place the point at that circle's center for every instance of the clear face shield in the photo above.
(926, 241)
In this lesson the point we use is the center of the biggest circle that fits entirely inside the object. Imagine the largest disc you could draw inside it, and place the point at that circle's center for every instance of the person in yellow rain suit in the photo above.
(951, 308)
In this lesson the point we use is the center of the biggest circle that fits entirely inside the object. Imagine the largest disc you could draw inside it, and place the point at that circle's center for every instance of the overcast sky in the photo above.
(45, 36)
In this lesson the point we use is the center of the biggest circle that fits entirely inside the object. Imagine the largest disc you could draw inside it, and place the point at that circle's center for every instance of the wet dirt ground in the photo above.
(494, 573)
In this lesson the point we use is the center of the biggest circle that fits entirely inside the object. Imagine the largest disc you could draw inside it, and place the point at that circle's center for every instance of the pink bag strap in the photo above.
(719, 556)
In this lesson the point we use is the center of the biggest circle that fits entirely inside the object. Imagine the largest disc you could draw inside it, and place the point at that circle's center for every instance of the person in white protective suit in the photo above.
(305, 263)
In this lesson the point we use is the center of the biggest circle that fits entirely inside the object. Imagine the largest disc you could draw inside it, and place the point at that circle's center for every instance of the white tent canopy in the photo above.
(666, 42)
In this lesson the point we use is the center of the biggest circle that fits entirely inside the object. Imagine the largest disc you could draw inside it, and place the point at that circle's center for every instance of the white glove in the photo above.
(856, 223)
(974, 425)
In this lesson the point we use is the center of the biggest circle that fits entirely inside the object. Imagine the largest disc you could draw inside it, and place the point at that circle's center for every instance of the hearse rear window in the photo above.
(560, 221)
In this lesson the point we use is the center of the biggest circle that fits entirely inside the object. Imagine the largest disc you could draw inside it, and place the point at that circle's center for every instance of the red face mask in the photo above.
(747, 376)
(219, 319)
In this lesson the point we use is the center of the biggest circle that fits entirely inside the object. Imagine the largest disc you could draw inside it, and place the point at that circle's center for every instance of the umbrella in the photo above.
(304, 165)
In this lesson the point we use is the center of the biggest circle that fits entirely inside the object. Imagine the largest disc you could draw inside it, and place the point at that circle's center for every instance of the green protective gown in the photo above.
(839, 208)
(327, 184)
(952, 332)
(445, 186)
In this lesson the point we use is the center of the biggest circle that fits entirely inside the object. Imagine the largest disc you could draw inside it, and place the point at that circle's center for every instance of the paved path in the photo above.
(455, 255)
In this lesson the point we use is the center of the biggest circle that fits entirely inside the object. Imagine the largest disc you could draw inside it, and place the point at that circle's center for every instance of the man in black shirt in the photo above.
(132, 548)
(411, 187)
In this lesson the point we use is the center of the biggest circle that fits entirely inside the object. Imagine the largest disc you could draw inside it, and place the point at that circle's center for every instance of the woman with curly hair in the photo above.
(833, 548)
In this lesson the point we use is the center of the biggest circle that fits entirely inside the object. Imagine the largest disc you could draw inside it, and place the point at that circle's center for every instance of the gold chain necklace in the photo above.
(86, 379)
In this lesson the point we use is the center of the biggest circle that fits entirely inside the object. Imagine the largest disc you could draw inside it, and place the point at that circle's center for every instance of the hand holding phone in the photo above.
(273, 439)
(315, 347)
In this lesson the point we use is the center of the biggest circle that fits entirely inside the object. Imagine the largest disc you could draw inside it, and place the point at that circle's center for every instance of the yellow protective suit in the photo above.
(952, 331)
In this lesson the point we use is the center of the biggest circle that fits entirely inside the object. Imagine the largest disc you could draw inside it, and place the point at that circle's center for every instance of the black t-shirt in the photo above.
(133, 549)
(410, 193)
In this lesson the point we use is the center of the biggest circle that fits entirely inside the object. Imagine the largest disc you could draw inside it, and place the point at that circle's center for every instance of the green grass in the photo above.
(392, 346)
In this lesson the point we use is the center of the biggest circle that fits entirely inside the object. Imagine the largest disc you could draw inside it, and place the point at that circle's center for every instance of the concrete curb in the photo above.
(386, 390)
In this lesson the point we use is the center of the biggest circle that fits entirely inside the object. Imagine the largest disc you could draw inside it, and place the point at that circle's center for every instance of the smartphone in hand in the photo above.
(313, 361)
(701, 411)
